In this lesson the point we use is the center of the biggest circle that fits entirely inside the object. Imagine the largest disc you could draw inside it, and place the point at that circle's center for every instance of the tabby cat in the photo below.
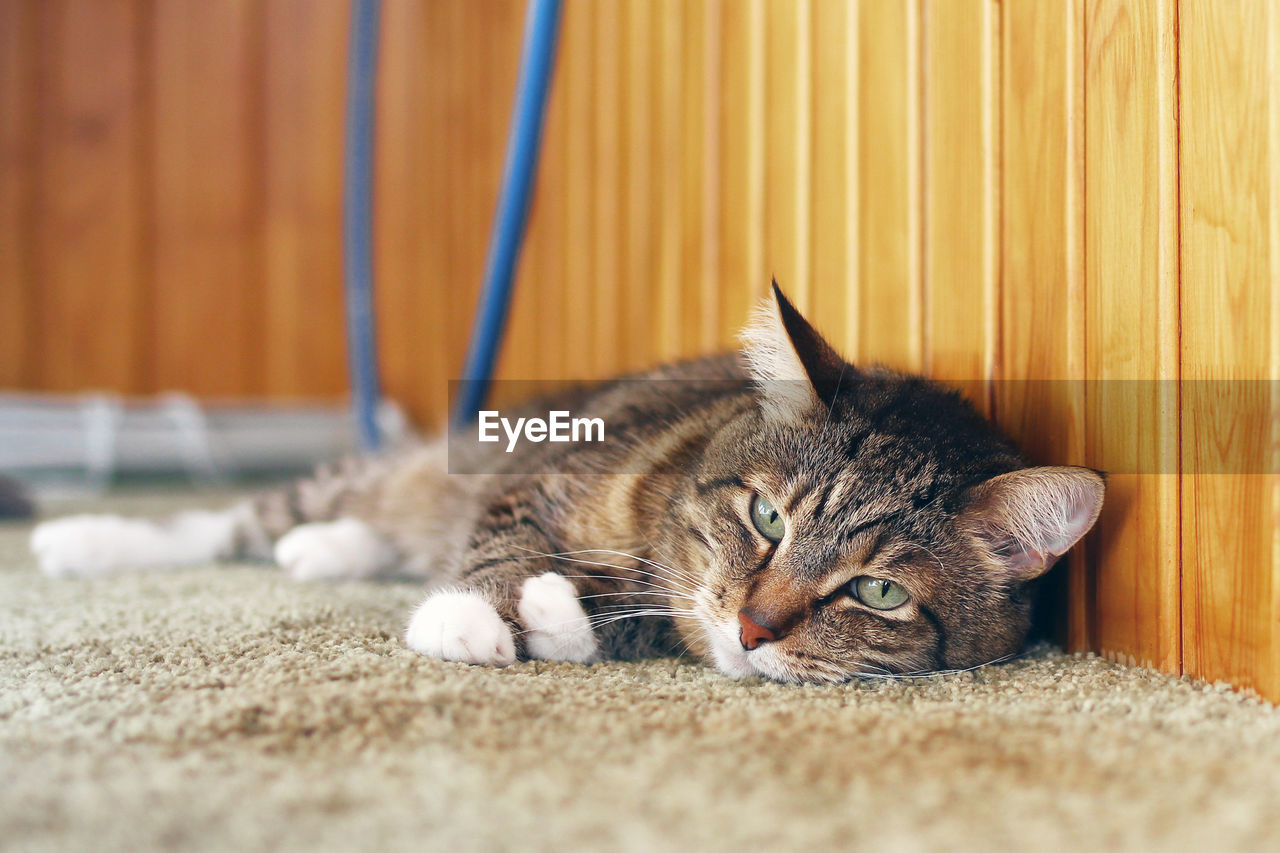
(777, 512)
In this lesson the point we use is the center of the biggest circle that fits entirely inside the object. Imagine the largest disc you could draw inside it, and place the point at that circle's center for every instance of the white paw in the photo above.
(460, 626)
(332, 550)
(556, 626)
(102, 544)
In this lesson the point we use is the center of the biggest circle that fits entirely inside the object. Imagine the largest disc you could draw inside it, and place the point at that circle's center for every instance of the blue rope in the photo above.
(537, 60)
(358, 221)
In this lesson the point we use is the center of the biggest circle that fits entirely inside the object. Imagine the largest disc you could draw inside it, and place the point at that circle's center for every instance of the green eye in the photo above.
(879, 593)
(767, 520)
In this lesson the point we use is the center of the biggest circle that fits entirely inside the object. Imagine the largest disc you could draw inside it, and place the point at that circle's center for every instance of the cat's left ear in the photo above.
(1027, 519)
(794, 365)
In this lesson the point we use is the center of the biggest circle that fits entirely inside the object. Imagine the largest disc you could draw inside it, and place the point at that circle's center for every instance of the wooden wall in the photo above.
(997, 191)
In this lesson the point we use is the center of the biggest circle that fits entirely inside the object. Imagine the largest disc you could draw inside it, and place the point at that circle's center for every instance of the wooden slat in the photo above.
(1039, 395)
(607, 187)
(471, 144)
(961, 205)
(304, 344)
(399, 102)
(698, 145)
(18, 166)
(1229, 169)
(577, 66)
(667, 213)
(743, 276)
(208, 295)
(890, 312)
(639, 268)
(91, 280)
(834, 173)
(1131, 294)
(787, 146)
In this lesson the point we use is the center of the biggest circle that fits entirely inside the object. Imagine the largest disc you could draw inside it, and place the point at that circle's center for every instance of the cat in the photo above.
(777, 512)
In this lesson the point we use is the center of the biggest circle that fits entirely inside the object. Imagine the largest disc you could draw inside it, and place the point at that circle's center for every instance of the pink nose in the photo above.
(753, 633)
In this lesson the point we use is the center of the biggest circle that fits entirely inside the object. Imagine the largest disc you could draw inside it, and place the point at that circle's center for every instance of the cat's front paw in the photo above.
(557, 627)
(333, 550)
(460, 626)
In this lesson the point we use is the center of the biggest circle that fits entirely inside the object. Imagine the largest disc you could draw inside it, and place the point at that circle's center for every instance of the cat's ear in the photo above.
(793, 365)
(1027, 519)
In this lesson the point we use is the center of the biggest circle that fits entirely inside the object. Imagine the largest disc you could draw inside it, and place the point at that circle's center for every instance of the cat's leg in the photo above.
(304, 525)
(87, 545)
(509, 602)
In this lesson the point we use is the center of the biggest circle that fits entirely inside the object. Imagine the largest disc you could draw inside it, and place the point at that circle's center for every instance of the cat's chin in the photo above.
(731, 660)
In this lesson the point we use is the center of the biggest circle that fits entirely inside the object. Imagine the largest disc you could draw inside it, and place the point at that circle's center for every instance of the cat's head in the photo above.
(858, 521)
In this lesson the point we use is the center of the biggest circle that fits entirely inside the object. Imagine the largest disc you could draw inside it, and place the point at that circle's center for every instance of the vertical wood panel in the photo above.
(1131, 293)
(89, 305)
(698, 146)
(470, 150)
(743, 277)
(18, 164)
(637, 164)
(405, 334)
(207, 299)
(890, 313)
(961, 205)
(1229, 248)
(788, 150)
(667, 214)
(834, 173)
(607, 187)
(304, 345)
(577, 68)
(1039, 398)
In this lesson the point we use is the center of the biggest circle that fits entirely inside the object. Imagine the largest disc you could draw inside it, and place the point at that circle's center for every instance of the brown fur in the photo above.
(877, 474)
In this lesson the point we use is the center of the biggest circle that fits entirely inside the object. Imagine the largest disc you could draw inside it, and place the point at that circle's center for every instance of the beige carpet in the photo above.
(230, 709)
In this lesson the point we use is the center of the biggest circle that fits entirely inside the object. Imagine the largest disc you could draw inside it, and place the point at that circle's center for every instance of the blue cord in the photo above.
(537, 60)
(358, 220)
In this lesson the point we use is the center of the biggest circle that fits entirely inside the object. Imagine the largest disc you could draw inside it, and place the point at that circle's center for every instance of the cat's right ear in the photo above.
(1025, 520)
(794, 366)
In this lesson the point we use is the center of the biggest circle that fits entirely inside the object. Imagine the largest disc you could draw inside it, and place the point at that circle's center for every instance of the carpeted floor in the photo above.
(230, 709)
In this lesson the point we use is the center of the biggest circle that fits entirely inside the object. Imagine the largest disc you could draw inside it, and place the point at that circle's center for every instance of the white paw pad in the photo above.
(333, 550)
(460, 626)
(556, 626)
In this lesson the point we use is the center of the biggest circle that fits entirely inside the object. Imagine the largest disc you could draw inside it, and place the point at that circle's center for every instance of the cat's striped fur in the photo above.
(876, 475)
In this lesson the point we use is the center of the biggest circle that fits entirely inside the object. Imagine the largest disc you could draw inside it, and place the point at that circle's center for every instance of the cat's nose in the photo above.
(753, 633)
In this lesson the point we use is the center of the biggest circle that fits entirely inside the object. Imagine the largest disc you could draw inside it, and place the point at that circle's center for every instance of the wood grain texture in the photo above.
(303, 338)
(743, 275)
(961, 202)
(833, 176)
(889, 216)
(18, 163)
(1131, 297)
(1041, 368)
(606, 123)
(1228, 177)
(788, 154)
(639, 262)
(89, 305)
(207, 300)
(577, 71)
(667, 214)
